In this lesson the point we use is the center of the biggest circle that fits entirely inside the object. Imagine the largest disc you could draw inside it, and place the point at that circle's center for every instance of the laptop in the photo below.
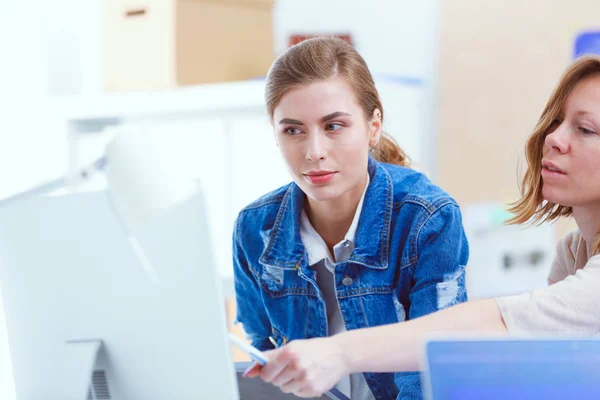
(512, 368)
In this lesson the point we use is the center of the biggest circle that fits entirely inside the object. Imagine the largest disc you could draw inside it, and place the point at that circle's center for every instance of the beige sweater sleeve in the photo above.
(570, 305)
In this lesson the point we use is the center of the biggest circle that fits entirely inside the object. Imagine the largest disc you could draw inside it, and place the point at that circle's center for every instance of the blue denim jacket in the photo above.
(409, 260)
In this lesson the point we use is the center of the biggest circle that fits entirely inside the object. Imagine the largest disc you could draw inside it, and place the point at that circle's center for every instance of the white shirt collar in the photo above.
(316, 248)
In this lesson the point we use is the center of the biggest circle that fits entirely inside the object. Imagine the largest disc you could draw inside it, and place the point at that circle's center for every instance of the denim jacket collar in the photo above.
(284, 248)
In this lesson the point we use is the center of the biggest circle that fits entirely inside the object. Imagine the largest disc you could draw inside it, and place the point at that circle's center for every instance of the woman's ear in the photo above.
(375, 128)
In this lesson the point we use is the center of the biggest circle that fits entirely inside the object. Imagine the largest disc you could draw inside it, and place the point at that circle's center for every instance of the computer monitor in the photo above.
(512, 368)
(85, 321)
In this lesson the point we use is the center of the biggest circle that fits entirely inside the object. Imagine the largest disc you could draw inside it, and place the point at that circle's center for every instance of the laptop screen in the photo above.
(513, 369)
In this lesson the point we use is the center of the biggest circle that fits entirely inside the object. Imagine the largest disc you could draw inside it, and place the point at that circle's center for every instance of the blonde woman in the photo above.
(357, 239)
(562, 179)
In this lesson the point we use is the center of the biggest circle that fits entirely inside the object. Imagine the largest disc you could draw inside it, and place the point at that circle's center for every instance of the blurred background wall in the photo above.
(499, 63)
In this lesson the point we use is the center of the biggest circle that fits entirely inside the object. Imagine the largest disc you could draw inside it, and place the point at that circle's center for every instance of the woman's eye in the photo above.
(292, 131)
(554, 125)
(586, 131)
(333, 127)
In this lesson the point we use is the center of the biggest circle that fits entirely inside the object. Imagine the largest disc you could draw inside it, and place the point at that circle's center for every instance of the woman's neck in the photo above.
(332, 219)
(588, 222)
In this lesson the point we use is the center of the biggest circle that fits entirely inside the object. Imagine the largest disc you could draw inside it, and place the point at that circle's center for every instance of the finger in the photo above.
(290, 373)
(293, 385)
(271, 354)
(253, 371)
(278, 361)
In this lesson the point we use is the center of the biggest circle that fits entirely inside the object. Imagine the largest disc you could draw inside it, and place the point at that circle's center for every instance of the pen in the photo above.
(255, 354)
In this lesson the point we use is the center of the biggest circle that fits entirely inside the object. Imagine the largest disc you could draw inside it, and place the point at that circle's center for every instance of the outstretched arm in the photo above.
(398, 347)
(308, 368)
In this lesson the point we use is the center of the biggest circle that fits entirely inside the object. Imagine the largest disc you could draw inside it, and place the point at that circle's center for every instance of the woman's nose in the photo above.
(316, 149)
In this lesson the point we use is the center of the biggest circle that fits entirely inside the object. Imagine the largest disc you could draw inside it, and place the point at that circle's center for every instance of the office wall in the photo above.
(499, 62)
(24, 141)
(32, 146)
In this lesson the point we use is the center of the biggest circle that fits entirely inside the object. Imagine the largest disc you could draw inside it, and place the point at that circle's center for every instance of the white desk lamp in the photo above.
(141, 185)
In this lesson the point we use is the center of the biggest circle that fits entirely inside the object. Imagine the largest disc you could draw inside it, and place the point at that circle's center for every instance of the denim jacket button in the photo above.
(273, 341)
(347, 281)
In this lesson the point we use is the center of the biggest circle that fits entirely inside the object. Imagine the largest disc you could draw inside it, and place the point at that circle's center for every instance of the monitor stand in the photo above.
(81, 360)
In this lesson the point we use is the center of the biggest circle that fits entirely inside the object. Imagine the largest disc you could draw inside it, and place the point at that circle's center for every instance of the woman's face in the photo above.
(324, 137)
(571, 155)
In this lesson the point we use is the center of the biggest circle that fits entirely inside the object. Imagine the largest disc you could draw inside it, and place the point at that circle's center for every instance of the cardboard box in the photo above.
(161, 44)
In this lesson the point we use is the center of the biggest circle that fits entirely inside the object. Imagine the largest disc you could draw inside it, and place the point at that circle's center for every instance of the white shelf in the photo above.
(219, 98)
(229, 97)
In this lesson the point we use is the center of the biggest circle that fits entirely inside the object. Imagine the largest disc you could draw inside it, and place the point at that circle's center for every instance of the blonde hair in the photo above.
(319, 59)
(532, 207)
